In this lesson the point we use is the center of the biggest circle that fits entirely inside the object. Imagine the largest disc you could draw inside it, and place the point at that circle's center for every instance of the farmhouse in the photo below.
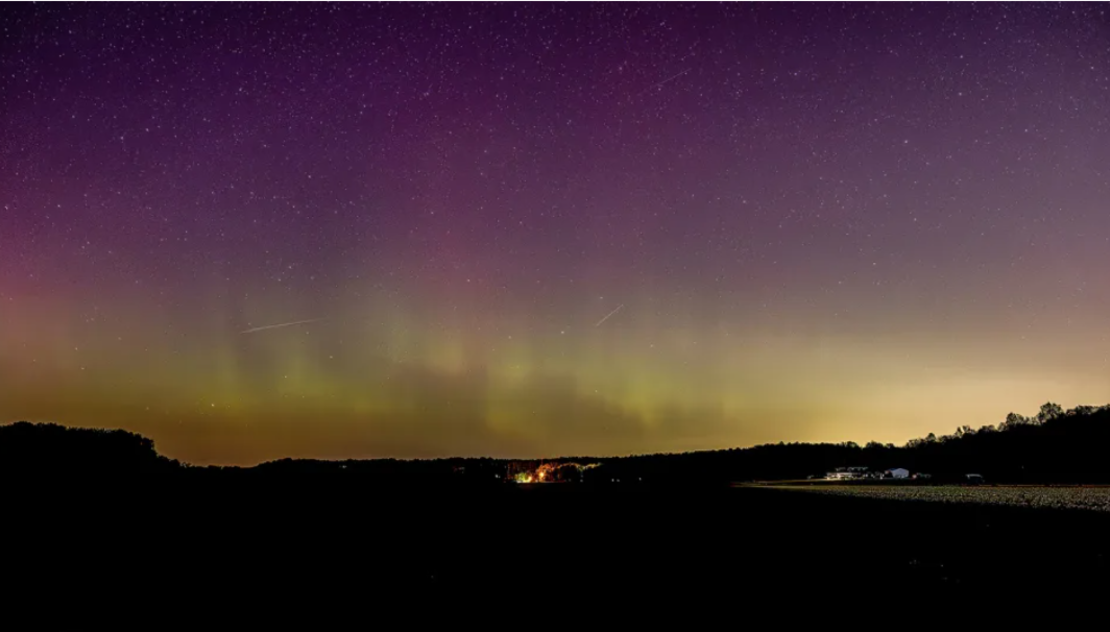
(847, 473)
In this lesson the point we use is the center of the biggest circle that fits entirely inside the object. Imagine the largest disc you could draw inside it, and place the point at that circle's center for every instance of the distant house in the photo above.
(898, 472)
(847, 473)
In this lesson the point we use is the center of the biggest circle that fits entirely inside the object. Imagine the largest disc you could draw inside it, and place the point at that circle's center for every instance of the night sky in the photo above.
(531, 230)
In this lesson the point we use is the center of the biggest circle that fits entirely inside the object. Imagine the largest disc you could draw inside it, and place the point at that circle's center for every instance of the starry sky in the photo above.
(525, 230)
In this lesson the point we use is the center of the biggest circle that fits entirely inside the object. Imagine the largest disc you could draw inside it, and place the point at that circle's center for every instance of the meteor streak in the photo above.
(663, 82)
(607, 316)
(279, 325)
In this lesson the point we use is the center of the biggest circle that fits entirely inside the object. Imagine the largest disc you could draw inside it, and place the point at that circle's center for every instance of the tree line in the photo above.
(1053, 446)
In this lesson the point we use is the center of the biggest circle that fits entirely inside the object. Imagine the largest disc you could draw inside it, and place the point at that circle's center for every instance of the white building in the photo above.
(899, 472)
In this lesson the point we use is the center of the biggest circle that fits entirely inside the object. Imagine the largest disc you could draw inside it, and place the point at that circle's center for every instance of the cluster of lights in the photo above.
(546, 472)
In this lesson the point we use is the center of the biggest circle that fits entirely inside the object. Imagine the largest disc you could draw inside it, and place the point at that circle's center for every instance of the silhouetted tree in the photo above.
(1013, 420)
(1048, 412)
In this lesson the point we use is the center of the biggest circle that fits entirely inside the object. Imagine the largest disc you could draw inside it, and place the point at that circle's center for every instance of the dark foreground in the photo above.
(242, 556)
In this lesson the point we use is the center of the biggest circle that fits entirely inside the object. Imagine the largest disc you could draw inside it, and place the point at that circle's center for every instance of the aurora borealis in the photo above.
(818, 222)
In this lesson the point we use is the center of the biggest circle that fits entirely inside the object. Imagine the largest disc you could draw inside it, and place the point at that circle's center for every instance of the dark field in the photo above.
(224, 552)
(1089, 498)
